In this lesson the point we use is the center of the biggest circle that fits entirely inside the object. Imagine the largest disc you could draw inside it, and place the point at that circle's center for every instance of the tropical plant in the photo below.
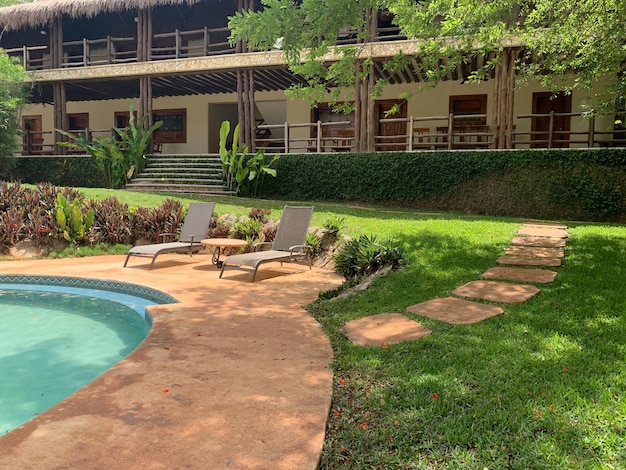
(73, 222)
(13, 93)
(360, 257)
(244, 176)
(333, 225)
(247, 229)
(312, 244)
(259, 214)
(121, 156)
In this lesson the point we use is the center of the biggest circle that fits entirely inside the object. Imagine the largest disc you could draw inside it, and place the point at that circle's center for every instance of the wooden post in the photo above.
(58, 88)
(503, 100)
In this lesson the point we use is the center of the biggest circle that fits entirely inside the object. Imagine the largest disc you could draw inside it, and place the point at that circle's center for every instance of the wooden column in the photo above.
(503, 100)
(368, 119)
(144, 54)
(246, 108)
(59, 96)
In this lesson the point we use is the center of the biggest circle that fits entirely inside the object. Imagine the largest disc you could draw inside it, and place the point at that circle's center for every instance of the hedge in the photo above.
(585, 184)
(77, 171)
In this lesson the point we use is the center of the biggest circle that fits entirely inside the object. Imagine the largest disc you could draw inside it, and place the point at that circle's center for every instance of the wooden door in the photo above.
(391, 135)
(32, 140)
(545, 103)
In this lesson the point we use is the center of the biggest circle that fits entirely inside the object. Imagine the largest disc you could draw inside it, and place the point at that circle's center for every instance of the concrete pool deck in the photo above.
(236, 375)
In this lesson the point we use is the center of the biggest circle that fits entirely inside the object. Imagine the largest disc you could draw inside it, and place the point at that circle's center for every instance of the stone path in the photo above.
(537, 245)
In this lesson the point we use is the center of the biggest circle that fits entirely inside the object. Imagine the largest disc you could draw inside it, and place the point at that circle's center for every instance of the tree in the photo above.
(13, 94)
(565, 45)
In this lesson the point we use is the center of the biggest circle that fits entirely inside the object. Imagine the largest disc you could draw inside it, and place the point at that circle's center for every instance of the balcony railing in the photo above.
(416, 133)
(177, 44)
(451, 132)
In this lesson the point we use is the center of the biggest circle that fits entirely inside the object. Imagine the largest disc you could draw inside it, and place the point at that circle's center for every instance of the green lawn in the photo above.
(542, 386)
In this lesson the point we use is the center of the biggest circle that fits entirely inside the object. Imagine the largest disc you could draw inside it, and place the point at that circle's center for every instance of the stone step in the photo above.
(168, 180)
(540, 276)
(528, 261)
(494, 291)
(535, 251)
(455, 311)
(546, 242)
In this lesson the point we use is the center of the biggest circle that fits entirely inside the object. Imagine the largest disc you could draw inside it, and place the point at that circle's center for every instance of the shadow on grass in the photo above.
(539, 387)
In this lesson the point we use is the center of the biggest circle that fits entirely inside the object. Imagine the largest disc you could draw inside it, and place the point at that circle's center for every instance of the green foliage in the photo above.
(587, 184)
(577, 40)
(312, 244)
(73, 221)
(333, 225)
(13, 94)
(75, 170)
(360, 257)
(244, 175)
(247, 229)
(260, 214)
(118, 157)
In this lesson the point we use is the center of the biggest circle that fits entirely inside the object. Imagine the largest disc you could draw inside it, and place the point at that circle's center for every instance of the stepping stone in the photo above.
(497, 291)
(541, 276)
(385, 328)
(545, 225)
(535, 251)
(455, 311)
(528, 261)
(539, 241)
(542, 232)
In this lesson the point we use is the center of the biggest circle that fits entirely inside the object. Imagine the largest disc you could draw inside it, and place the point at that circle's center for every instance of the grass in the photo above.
(542, 386)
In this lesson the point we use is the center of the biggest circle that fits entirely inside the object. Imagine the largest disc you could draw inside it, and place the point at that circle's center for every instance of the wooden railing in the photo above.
(177, 44)
(450, 132)
(420, 133)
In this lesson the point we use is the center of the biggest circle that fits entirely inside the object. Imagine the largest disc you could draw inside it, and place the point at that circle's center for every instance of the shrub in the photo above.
(268, 232)
(73, 219)
(151, 224)
(112, 222)
(220, 230)
(360, 257)
(312, 244)
(259, 214)
(247, 229)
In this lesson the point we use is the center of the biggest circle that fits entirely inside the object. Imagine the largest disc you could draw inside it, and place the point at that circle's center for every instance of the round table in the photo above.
(218, 244)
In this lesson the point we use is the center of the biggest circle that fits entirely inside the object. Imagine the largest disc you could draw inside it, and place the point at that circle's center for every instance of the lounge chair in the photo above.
(194, 229)
(288, 245)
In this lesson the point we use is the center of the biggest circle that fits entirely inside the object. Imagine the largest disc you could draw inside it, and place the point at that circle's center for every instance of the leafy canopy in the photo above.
(13, 93)
(566, 44)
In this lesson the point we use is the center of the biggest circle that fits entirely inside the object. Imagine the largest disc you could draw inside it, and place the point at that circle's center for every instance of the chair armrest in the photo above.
(296, 249)
(257, 246)
(162, 236)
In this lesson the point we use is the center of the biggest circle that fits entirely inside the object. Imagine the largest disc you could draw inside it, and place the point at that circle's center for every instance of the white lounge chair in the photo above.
(288, 245)
(195, 228)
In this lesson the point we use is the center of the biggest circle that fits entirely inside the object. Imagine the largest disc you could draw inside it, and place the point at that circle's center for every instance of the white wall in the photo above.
(206, 112)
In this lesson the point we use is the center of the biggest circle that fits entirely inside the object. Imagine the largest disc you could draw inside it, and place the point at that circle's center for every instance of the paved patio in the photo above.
(236, 375)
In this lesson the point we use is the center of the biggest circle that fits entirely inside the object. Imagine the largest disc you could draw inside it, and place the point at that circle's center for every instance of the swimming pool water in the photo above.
(54, 343)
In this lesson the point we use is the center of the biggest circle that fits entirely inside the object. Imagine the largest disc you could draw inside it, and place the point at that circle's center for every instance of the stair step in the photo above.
(199, 174)
(165, 180)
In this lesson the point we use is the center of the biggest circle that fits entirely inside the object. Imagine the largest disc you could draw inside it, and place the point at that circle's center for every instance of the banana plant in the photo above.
(241, 172)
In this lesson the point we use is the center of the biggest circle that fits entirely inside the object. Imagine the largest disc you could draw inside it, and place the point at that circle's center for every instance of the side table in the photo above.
(217, 245)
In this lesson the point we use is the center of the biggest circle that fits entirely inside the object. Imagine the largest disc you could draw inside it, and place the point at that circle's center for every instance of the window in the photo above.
(464, 106)
(174, 128)
(78, 121)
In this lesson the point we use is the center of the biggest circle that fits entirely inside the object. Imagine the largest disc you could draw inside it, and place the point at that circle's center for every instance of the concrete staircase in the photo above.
(182, 174)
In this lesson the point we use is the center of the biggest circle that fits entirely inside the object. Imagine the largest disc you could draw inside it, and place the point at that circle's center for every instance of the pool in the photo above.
(58, 334)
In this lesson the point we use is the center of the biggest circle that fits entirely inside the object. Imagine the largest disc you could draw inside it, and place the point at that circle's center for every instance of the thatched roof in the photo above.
(40, 12)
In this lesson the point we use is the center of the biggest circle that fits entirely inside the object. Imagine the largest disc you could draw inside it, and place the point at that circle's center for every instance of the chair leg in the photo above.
(126, 260)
